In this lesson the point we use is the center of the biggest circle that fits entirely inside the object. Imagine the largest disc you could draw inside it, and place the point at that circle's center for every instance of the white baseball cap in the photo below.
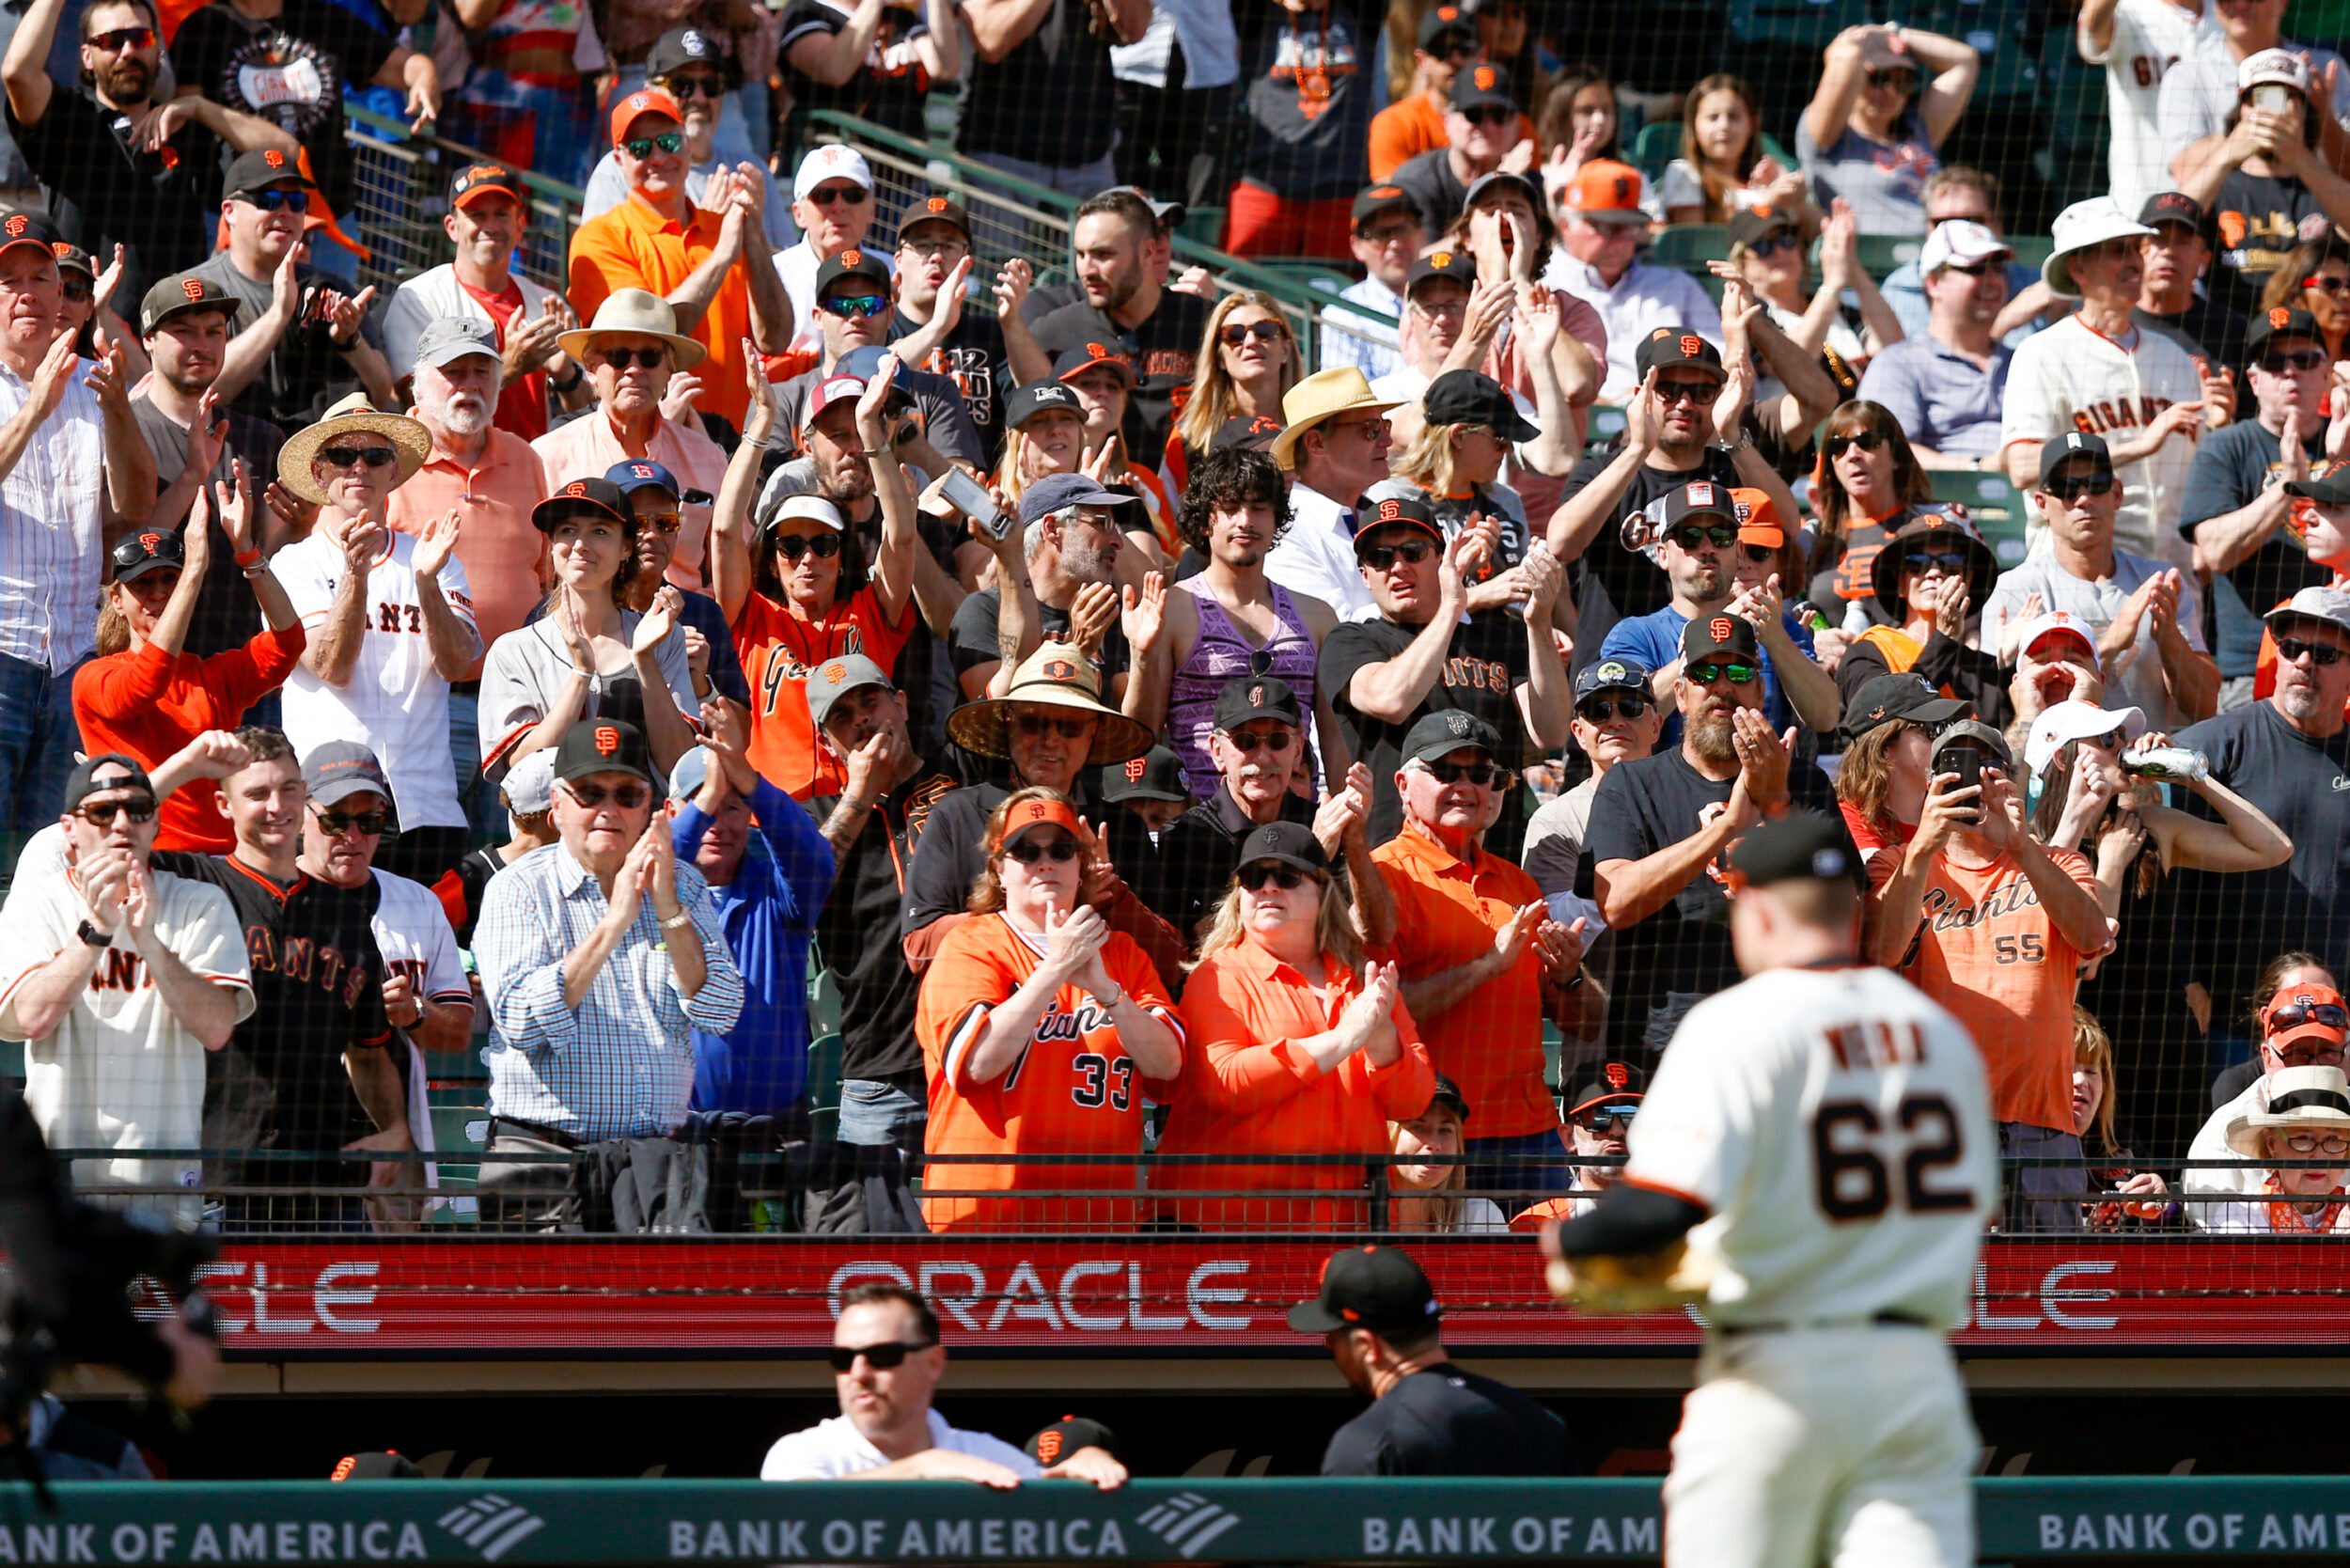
(2062, 620)
(2081, 227)
(814, 508)
(530, 784)
(1959, 242)
(2061, 723)
(831, 161)
(2328, 604)
(2281, 66)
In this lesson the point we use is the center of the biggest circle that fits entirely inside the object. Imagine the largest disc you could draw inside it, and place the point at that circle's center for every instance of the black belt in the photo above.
(555, 1135)
(1879, 1320)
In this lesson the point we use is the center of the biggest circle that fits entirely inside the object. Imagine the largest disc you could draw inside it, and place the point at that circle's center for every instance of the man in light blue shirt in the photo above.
(1387, 237)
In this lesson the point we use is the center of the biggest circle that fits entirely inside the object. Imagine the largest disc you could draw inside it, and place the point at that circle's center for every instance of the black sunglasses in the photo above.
(1032, 725)
(620, 359)
(346, 457)
(1759, 551)
(1482, 774)
(335, 826)
(1975, 269)
(1233, 334)
(1690, 534)
(1273, 738)
(823, 546)
(684, 87)
(628, 797)
(1599, 710)
(1771, 244)
(2321, 655)
(2071, 487)
(78, 291)
(1379, 557)
(1952, 562)
(1868, 441)
(123, 39)
(1490, 114)
(1897, 76)
(1253, 878)
(2298, 359)
(1030, 851)
(270, 201)
(641, 148)
(103, 814)
(1593, 1118)
(880, 1358)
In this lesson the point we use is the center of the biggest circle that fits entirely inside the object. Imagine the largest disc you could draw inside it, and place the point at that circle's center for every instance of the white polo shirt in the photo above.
(1316, 556)
(830, 1450)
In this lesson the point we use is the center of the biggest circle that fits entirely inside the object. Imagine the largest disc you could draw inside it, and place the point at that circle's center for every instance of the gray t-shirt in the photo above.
(2135, 674)
(303, 364)
(526, 670)
(1885, 182)
(946, 419)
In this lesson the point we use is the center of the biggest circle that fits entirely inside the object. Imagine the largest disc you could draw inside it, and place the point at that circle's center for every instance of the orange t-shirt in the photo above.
(1490, 1042)
(1073, 1089)
(1406, 129)
(779, 652)
(632, 246)
(1247, 1085)
(147, 704)
(1987, 950)
(497, 545)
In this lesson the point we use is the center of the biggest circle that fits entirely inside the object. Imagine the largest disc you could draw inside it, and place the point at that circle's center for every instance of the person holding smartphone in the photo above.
(2269, 186)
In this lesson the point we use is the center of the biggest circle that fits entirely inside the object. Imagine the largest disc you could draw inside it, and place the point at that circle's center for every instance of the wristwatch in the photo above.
(93, 936)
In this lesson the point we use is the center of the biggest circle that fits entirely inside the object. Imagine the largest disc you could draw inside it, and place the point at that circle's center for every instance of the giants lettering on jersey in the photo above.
(122, 970)
(782, 666)
(2109, 414)
(1477, 674)
(305, 960)
(398, 618)
(1948, 913)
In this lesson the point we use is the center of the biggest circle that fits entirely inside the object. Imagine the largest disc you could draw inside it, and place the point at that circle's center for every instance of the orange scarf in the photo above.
(2285, 1216)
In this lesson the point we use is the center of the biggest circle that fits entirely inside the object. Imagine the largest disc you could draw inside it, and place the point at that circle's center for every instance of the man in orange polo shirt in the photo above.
(1479, 952)
(711, 263)
(491, 479)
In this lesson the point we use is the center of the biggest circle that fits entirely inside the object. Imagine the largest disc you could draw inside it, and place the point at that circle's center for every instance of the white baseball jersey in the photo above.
(1836, 1127)
(413, 930)
(2149, 38)
(396, 703)
(2070, 377)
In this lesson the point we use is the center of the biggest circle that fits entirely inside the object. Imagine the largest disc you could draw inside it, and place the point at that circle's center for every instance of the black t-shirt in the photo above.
(1615, 580)
(1684, 949)
(227, 615)
(1853, 578)
(472, 877)
(1052, 100)
(2235, 923)
(306, 371)
(971, 640)
(289, 71)
(1310, 97)
(1166, 351)
(1445, 1422)
(2206, 329)
(973, 359)
(1200, 851)
(2230, 468)
(318, 992)
(1487, 664)
(890, 83)
(2260, 219)
(100, 193)
(859, 932)
(1428, 178)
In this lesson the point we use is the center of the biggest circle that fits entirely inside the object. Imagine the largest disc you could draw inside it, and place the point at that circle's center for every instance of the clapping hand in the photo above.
(657, 622)
(434, 548)
(1143, 617)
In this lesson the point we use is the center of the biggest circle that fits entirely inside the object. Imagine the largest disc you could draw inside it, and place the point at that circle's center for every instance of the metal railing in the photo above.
(404, 195)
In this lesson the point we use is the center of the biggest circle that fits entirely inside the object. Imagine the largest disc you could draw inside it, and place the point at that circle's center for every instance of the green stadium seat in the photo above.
(1655, 146)
(1880, 253)
(824, 1004)
(1606, 423)
(465, 1066)
(1994, 504)
(2031, 249)
(1203, 225)
(823, 1072)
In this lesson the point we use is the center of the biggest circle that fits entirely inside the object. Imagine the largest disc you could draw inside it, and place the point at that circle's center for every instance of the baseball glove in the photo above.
(1652, 1281)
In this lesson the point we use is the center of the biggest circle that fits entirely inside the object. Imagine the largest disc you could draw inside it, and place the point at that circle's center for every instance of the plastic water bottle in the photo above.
(2174, 764)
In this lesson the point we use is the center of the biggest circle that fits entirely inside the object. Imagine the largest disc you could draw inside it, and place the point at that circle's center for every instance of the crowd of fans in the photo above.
(1165, 731)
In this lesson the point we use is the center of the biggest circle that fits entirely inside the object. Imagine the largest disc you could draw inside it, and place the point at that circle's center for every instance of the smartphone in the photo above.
(971, 498)
(2272, 96)
(1966, 761)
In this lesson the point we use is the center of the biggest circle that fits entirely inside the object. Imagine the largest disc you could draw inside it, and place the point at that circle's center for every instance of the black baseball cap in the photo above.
(1614, 675)
(682, 46)
(258, 170)
(866, 264)
(1884, 699)
(383, 1464)
(1699, 498)
(1156, 774)
(1440, 20)
(1445, 731)
(1245, 698)
(1050, 1445)
(73, 259)
(1024, 403)
(2280, 322)
(1719, 635)
(30, 228)
(81, 783)
(1443, 261)
(1467, 396)
(340, 769)
(1409, 510)
(604, 746)
(1750, 224)
(179, 294)
(2073, 443)
(1291, 843)
(1616, 1084)
(2175, 207)
(1976, 735)
(2333, 489)
(936, 208)
(1085, 357)
(1666, 347)
(1374, 199)
(1379, 1288)
(149, 550)
(476, 180)
(1249, 432)
(1481, 84)
(1799, 845)
(594, 497)
(1448, 1094)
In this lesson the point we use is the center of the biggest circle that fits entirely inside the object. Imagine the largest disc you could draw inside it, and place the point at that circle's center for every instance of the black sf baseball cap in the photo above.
(1379, 1288)
(1441, 262)
(81, 782)
(1720, 637)
(1666, 347)
(596, 497)
(1445, 731)
(1374, 199)
(866, 264)
(1289, 843)
(258, 170)
(1750, 224)
(149, 550)
(29, 228)
(935, 209)
(179, 294)
(1479, 84)
(1156, 774)
(1256, 697)
(1617, 1087)
(603, 745)
(1473, 397)
(2278, 321)
(1390, 509)
(1799, 845)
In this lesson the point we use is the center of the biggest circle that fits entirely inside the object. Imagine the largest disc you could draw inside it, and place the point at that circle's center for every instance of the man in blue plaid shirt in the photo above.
(601, 956)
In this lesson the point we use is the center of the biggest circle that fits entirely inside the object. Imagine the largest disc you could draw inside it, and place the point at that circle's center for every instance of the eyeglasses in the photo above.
(1599, 1117)
(1061, 848)
(1772, 245)
(1482, 774)
(2069, 487)
(335, 826)
(1599, 710)
(1271, 737)
(1490, 114)
(839, 196)
(123, 39)
(667, 522)
(78, 291)
(350, 457)
(2299, 359)
(1670, 392)
(2293, 649)
(620, 359)
(950, 243)
(856, 305)
(1455, 48)
(880, 1358)
(628, 797)
(1949, 562)
(270, 201)
(2317, 1143)
(1254, 877)
(1032, 726)
(102, 813)
(1452, 304)
(1736, 674)
(1388, 234)
(686, 89)
(1690, 534)
(1381, 557)
(823, 546)
(641, 148)
(1233, 334)
(2327, 282)
(2333, 1016)
(1976, 269)
(1868, 441)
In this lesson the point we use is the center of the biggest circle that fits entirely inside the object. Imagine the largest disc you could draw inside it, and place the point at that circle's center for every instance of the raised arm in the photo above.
(333, 652)
(1954, 68)
(26, 70)
(835, 59)
(730, 571)
(893, 565)
(1000, 27)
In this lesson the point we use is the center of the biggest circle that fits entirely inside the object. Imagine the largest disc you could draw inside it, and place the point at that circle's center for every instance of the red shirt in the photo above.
(147, 704)
(779, 652)
(522, 404)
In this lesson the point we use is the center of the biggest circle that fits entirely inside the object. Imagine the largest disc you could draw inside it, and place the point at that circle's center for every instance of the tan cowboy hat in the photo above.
(408, 438)
(1054, 676)
(1316, 398)
(640, 313)
(2298, 1097)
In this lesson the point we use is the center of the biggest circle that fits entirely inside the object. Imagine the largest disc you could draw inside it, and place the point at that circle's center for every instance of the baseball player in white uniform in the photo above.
(2137, 40)
(1817, 1150)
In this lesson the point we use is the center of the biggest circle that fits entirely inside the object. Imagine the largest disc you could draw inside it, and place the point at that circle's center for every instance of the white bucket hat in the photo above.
(2082, 227)
(2298, 1097)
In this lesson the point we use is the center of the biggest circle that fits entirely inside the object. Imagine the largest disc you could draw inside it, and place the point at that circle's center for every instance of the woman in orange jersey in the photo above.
(1292, 1048)
(1042, 1030)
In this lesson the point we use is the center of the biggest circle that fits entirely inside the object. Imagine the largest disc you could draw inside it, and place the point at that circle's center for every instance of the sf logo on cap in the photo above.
(1390, 509)
(1485, 78)
(274, 158)
(1060, 670)
(834, 674)
(1134, 770)
(1439, 259)
(852, 259)
(193, 288)
(148, 541)
(1618, 1074)
(1038, 811)
(1692, 347)
(577, 487)
(1048, 1445)
(607, 740)
(1720, 627)
(16, 226)
(2277, 317)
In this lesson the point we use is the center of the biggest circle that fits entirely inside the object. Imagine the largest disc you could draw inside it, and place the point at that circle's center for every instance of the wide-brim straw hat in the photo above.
(1320, 397)
(2298, 1097)
(639, 313)
(408, 438)
(1054, 676)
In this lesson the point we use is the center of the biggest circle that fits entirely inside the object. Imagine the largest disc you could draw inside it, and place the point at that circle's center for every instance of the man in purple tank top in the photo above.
(1231, 621)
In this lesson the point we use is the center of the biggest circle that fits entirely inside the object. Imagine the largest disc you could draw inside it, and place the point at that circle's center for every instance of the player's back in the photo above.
(1836, 1124)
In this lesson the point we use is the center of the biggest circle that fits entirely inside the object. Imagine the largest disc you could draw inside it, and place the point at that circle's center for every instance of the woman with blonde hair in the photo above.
(1428, 1197)
(1295, 1043)
(1043, 1030)
(1248, 361)
(2136, 1195)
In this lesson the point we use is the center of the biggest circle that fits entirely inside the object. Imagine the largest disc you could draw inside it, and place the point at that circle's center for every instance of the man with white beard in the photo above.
(491, 478)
